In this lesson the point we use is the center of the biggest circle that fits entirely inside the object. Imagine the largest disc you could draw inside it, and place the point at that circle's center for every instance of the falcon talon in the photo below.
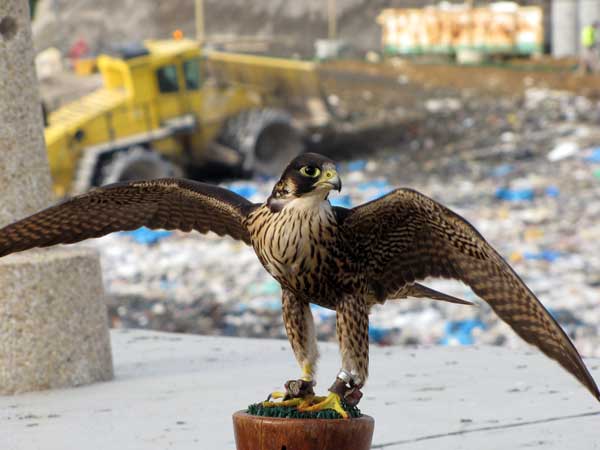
(299, 388)
(275, 395)
(347, 390)
(310, 248)
(294, 390)
(332, 401)
(290, 402)
(353, 396)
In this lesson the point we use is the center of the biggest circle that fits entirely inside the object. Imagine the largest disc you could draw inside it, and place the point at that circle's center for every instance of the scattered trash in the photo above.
(502, 170)
(378, 335)
(552, 191)
(505, 166)
(515, 195)
(544, 255)
(147, 236)
(563, 150)
(48, 63)
(246, 190)
(371, 190)
(443, 105)
(594, 157)
(461, 332)
(341, 200)
(357, 165)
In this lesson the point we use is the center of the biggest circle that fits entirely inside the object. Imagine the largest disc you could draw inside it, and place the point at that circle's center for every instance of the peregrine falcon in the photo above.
(344, 259)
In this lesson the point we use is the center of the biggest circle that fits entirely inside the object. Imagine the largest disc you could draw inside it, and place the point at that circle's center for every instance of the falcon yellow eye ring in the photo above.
(310, 171)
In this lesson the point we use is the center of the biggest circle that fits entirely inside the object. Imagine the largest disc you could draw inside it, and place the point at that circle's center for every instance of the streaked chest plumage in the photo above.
(296, 244)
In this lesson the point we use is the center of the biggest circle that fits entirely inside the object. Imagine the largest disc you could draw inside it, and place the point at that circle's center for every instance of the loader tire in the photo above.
(266, 139)
(137, 163)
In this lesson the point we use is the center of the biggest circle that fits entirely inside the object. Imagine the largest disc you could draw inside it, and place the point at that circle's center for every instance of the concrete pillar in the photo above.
(565, 36)
(53, 323)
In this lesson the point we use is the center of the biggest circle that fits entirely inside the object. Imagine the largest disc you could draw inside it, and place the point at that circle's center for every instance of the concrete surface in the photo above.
(53, 325)
(178, 392)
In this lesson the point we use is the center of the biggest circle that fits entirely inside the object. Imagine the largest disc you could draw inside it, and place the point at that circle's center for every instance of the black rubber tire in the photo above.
(266, 139)
(136, 163)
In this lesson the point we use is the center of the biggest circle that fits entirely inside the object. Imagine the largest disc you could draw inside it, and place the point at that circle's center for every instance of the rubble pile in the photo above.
(525, 171)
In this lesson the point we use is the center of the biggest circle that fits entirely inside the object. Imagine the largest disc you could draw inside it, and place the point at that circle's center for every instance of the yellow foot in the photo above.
(278, 394)
(291, 402)
(332, 401)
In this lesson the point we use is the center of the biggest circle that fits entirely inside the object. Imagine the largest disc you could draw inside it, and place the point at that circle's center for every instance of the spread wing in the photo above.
(405, 236)
(164, 203)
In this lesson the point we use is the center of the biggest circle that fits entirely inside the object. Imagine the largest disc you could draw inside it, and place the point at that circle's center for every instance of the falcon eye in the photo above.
(310, 171)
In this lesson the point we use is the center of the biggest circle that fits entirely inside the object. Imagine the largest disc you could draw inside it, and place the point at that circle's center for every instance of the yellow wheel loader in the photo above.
(167, 108)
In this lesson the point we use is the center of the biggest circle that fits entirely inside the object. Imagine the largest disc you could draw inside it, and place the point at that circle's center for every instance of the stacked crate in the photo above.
(500, 28)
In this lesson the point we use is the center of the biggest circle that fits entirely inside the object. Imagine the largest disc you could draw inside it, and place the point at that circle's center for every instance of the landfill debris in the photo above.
(563, 150)
(145, 235)
(502, 170)
(515, 195)
(488, 161)
(443, 105)
(544, 255)
(460, 332)
(48, 63)
(594, 157)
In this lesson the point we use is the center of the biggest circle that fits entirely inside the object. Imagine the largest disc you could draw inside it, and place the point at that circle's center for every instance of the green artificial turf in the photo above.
(290, 412)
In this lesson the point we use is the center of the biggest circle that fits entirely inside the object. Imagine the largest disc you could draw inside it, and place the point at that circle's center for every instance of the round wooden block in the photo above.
(273, 433)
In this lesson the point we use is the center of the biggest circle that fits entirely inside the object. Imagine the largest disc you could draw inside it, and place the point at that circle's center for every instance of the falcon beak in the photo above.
(331, 179)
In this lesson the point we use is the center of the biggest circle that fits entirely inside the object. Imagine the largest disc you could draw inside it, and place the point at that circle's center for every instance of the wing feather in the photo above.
(405, 236)
(417, 290)
(164, 203)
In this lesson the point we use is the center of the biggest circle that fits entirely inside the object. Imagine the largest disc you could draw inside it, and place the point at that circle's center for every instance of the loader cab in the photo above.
(177, 76)
(163, 77)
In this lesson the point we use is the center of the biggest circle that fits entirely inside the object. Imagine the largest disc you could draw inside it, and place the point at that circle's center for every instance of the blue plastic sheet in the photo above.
(515, 195)
(502, 170)
(378, 334)
(544, 255)
(341, 200)
(379, 187)
(147, 236)
(266, 304)
(322, 313)
(552, 191)
(461, 332)
(358, 165)
(375, 184)
(245, 190)
(269, 287)
(594, 157)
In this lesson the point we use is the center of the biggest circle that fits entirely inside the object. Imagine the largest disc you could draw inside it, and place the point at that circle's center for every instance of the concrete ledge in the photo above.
(53, 322)
(179, 391)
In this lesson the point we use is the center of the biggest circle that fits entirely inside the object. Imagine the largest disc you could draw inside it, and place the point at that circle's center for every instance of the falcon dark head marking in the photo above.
(308, 174)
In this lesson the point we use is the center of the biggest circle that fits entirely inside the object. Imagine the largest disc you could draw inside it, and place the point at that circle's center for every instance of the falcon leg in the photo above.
(352, 328)
(300, 329)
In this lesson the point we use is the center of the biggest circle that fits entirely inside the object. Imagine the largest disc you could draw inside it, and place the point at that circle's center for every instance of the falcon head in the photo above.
(309, 174)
